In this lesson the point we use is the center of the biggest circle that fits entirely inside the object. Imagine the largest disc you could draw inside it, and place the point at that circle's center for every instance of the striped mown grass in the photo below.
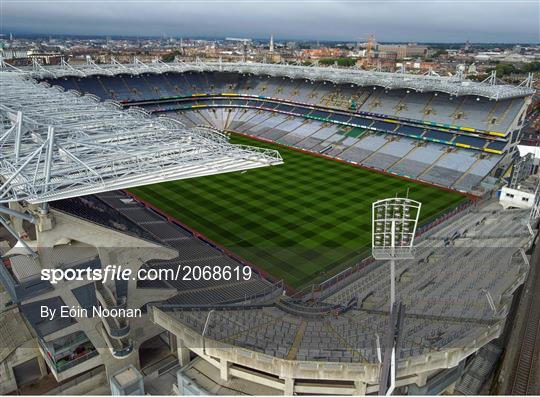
(297, 221)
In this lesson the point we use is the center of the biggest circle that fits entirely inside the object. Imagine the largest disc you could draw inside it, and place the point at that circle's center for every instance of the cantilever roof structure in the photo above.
(56, 144)
(421, 83)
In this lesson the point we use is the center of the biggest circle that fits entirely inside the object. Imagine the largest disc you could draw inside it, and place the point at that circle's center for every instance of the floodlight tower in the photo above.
(394, 223)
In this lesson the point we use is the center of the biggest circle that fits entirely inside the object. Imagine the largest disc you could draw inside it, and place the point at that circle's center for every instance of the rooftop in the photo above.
(127, 376)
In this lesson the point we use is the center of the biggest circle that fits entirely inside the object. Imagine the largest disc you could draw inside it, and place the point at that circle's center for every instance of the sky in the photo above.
(483, 21)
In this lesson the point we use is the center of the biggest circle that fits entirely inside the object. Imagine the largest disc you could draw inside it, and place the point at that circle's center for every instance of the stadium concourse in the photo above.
(61, 166)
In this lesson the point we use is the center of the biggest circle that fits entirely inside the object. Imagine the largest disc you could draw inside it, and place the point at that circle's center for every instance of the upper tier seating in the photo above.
(467, 111)
(391, 151)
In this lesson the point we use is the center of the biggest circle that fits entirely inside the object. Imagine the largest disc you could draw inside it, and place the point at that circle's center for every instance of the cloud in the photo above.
(389, 20)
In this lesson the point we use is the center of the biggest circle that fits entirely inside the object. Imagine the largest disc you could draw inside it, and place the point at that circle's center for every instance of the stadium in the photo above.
(315, 116)
(271, 167)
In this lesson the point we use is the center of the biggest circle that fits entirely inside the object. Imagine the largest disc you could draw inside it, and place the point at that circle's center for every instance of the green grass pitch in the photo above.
(299, 221)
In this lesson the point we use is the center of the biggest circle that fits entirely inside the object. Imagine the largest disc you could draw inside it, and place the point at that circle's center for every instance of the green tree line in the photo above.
(504, 69)
(340, 61)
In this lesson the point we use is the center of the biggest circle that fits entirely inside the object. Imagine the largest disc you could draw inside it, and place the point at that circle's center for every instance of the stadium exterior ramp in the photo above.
(56, 145)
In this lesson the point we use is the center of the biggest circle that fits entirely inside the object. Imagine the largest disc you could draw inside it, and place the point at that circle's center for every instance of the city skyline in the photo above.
(391, 21)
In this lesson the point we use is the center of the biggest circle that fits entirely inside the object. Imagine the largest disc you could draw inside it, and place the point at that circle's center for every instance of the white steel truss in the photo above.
(454, 85)
(56, 144)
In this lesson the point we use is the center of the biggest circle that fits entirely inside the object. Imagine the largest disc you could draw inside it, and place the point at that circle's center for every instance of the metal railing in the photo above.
(61, 367)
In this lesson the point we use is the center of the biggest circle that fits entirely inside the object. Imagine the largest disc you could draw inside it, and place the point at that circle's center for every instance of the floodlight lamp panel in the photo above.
(394, 227)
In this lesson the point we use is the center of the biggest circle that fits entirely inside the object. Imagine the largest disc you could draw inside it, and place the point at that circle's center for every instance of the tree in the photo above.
(340, 61)
(531, 67)
(504, 69)
(439, 53)
(169, 57)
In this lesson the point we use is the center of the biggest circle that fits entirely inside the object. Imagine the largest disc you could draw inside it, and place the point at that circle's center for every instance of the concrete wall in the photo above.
(28, 351)
(294, 376)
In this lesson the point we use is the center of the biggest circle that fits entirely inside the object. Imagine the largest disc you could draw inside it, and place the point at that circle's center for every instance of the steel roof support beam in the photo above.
(14, 234)
(64, 145)
(17, 214)
(18, 132)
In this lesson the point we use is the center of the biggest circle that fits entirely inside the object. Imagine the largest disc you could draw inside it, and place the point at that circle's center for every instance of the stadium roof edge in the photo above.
(421, 83)
(57, 145)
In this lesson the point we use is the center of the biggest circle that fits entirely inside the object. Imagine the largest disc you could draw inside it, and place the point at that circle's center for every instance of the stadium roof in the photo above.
(56, 144)
(422, 83)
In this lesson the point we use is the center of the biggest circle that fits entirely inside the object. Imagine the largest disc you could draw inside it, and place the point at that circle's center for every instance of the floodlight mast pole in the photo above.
(392, 300)
(384, 226)
(392, 266)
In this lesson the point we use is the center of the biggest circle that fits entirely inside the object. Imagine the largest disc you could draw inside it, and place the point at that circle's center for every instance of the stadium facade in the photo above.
(66, 151)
